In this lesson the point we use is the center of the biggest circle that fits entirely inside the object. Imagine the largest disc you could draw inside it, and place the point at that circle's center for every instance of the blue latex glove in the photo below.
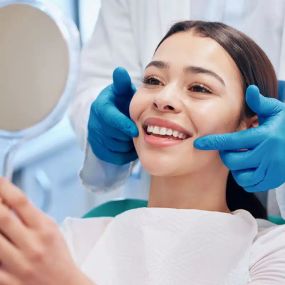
(110, 129)
(262, 166)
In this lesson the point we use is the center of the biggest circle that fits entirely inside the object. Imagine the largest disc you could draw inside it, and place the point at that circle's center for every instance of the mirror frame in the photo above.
(71, 36)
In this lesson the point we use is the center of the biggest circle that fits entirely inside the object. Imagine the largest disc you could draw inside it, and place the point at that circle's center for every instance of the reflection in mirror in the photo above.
(38, 70)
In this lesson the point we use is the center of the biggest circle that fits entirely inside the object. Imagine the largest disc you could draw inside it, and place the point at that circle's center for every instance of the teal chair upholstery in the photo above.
(116, 207)
(276, 220)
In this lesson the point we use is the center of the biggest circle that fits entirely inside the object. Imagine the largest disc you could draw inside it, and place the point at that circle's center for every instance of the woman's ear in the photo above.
(249, 122)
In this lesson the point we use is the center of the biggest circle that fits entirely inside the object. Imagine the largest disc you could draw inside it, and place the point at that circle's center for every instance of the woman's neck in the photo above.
(205, 190)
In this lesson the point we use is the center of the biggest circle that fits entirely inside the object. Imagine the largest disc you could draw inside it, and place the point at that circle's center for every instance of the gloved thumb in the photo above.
(261, 105)
(122, 84)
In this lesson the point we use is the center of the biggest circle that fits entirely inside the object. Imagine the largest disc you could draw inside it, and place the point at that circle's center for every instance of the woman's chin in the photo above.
(161, 167)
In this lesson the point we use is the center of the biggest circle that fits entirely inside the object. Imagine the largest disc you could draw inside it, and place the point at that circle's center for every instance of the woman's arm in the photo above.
(32, 249)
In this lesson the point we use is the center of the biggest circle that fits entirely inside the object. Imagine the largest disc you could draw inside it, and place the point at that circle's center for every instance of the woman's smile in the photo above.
(163, 133)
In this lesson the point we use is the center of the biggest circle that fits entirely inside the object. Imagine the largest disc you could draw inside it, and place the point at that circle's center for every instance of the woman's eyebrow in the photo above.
(158, 64)
(192, 69)
(198, 69)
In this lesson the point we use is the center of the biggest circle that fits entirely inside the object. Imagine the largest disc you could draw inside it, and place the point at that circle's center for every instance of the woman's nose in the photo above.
(162, 106)
(166, 101)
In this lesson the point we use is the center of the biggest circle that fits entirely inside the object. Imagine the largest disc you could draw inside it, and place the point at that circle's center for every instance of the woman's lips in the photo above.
(167, 124)
(163, 140)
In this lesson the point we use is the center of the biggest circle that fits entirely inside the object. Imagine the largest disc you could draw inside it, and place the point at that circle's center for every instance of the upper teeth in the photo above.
(165, 131)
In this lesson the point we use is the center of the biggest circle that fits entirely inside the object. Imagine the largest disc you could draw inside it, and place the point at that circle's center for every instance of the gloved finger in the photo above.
(123, 90)
(239, 160)
(264, 185)
(250, 177)
(113, 117)
(117, 158)
(112, 144)
(247, 178)
(274, 177)
(245, 139)
(122, 84)
(260, 187)
(261, 105)
(98, 123)
(111, 133)
(245, 159)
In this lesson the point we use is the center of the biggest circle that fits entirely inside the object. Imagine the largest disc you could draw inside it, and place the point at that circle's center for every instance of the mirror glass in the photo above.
(38, 69)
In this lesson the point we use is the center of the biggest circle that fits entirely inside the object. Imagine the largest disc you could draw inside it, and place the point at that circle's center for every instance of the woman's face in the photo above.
(191, 88)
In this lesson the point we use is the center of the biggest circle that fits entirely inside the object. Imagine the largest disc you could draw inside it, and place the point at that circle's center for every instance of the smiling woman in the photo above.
(194, 86)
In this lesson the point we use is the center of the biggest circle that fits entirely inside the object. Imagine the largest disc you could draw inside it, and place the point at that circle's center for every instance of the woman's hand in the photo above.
(32, 249)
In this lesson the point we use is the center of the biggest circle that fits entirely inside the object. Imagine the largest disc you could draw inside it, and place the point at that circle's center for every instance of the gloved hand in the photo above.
(262, 166)
(110, 129)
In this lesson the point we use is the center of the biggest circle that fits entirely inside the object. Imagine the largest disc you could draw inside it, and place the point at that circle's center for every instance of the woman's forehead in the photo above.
(189, 48)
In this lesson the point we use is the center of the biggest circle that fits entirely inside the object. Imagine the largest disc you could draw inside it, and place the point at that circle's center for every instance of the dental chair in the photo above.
(117, 206)
(39, 62)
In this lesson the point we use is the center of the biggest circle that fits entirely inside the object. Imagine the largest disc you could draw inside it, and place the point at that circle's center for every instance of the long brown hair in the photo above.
(255, 68)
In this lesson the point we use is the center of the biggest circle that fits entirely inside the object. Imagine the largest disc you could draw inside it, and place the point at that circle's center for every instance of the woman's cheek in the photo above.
(211, 117)
(140, 102)
(134, 107)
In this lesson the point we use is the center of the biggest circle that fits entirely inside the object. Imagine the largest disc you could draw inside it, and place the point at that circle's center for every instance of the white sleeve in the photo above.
(280, 196)
(100, 176)
(112, 44)
(267, 265)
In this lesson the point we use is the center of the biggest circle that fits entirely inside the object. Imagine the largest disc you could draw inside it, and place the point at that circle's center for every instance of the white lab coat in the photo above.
(126, 34)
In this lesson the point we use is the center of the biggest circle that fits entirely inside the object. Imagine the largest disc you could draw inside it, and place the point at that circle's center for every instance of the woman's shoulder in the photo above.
(267, 260)
(269, 233)
(81, 235)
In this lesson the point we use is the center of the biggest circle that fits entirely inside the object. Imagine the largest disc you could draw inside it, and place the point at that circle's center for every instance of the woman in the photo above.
(194, 230)
(193, 86)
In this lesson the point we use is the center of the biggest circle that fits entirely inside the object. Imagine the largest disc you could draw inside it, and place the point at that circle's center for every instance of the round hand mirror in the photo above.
(39, 54)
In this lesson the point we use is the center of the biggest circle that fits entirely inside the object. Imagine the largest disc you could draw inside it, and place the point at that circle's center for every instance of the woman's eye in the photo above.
(200, 88)
(152, 81)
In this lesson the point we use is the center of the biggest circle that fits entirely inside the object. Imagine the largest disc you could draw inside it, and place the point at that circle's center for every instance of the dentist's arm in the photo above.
(112, 44)
(262, 166)
(110, 135)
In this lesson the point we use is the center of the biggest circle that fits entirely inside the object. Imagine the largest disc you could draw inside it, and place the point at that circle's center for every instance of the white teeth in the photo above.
(156, 130)
(175, 134)
(162, 131)
(150, 129)
(169, 132)
(165, 131)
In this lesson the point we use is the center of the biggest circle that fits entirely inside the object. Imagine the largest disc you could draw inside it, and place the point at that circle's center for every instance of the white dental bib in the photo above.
(170, 246)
